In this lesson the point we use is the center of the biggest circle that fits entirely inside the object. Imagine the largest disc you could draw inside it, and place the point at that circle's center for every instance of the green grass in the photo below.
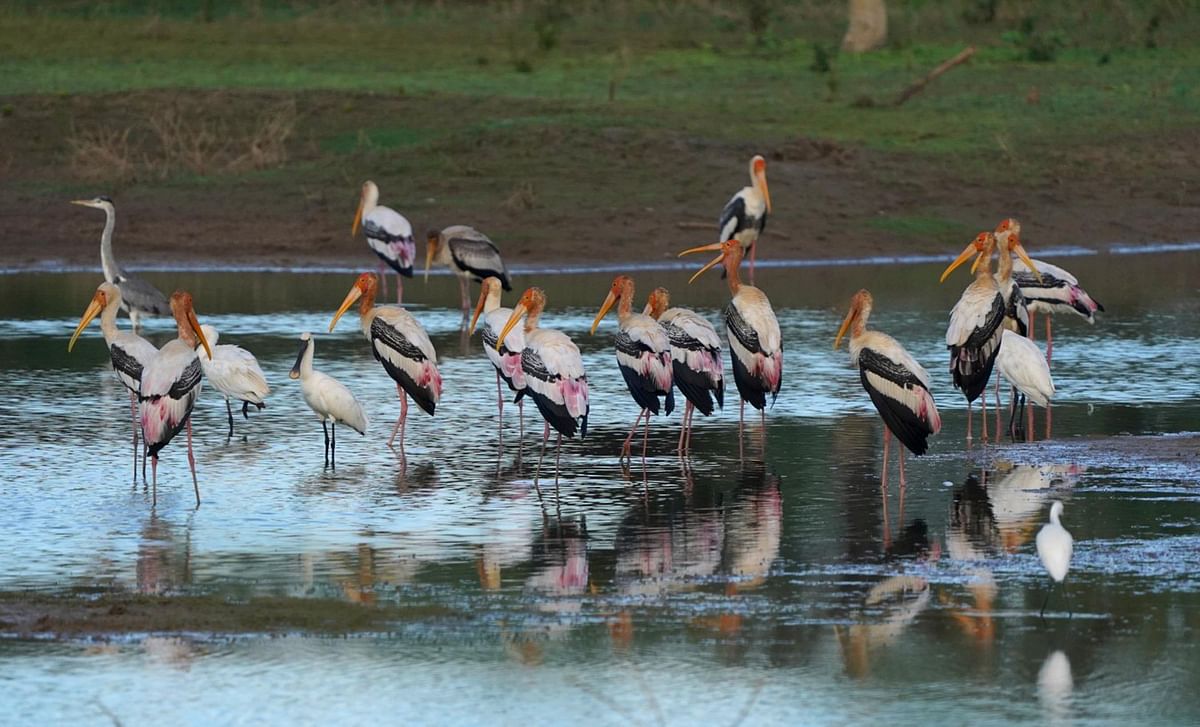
(927, 227)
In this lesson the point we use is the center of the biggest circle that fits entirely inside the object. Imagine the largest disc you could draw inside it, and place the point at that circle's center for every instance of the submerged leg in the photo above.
(500, 407)
(627, 447)
(903, 482)
(333, 445)
(154, 479)
(229, 410)
(970, 411)
(521, 430)
(762, 428)
(557, 460)
(741, 429)
(464, 294)
(645, 439)
(133, 412)
(192, 462)
(538, 472)
(887, 444)
(325, 428)
(1049, 340)
(983, 415)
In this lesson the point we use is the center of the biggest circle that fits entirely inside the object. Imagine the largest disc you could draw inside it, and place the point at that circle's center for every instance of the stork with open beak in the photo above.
(128, 351)
(401, 345)
(329, 398)
(695, 359)
(554, 375)
(138, 297)
(755, 341)
(745, 214)
(171, 384)
(897, 384)
(505, 358)
(389, 235)
(470, 254)
(643, 356)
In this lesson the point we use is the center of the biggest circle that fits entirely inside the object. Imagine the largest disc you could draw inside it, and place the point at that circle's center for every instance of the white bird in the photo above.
(234, 372)
(506, 359)
(745, 214)
(1054, 548)
(755, 342)
(171, 383)
(389, 235)
(696, 359)
(401, 345)
(554, 374)
(128, 351)
(329, 399)
(138, 297)
(897, 384)
(1022, 364)
(643, 356)
(470, 254)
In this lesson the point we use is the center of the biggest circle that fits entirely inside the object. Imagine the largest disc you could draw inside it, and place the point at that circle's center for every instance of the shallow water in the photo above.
(770, 587)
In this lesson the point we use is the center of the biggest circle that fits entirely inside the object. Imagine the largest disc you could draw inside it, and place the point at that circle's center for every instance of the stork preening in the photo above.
(643, 356)
(389, 235)
(554, 375)
(696, 361)
(506, 357)
(1054, 548)
(755, 341)
(138, 297)
(1022, 364)
(401, 345)
(897, 384)
(329, 399)
(128, 351)
(171, 383)
(745, 214)
(233, 371)
(470, 254)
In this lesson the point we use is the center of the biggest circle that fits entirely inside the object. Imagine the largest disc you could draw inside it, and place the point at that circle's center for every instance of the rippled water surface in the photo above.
(776, 586)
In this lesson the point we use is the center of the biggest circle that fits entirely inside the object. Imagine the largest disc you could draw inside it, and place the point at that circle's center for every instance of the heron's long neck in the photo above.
(107, 262)
(108, 321)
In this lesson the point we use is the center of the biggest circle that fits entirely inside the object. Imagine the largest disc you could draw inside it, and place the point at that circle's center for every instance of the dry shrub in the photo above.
(522, 199)
(101, 154)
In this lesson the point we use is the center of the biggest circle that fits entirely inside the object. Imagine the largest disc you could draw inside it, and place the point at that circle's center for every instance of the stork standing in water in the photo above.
(234, 372)
(976, 324)
(329, 399)
(128, 351)
(695, 360)
(755, 342)
(554, 375)
(171, 384)
(401, 345)
(1054, 548)
(745, 215)
(1022, 364)
(1048, 289)
(505, 358)
(897, 384)
(389, 235)
(470, 254)
(138, 297)
(643, 355)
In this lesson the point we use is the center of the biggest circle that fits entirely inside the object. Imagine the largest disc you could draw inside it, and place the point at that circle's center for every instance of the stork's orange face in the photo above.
(366, 285)
(983, 244)
(758, 171)
(621, 285)
(657, 303)
(860, 302)
(730, 250)
(532, 302)
(185, 314)
(487, 287)
(1008, 225)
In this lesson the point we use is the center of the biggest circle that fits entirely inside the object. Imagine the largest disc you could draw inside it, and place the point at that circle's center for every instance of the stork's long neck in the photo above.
(492, 301)
(625, 303)
(860, 321)
(186, 334)
(1006, 266)
(732, 262)
(108, 320)
(107, 262)
(532, 319)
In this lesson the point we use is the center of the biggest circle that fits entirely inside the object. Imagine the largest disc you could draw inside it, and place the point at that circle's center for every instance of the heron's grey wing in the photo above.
(141, 296)
(480, 257)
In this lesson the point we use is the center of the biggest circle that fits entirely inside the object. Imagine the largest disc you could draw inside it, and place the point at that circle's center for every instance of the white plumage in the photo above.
(233, 371)
(1022, 364)
(566, 384)
(329, 399)
(1055, 545)
(744, 216)
(1058, 292)
(470, 254)
(389, 234)
(505, 358)
(763, 363)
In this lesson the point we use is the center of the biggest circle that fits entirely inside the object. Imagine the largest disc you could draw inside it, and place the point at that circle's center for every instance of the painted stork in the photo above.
(389, 235)
(128, 351)
(506, 358)
(233, 371)
(976, 323)
(554, 374)
(470, 254)
(643, 355)
(171, 384)
(1054, 548)
(897, 384)
(695, 359)
(1022, 364)
(401, 344)
(755, 343)
(1048, 289)
(138, 297)
(329, 399)
(745, 215)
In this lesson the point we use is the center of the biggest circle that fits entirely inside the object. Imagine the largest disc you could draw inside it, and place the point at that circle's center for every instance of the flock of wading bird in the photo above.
(658, 350)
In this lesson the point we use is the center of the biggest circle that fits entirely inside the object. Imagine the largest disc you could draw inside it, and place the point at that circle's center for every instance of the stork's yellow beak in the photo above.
(604, 309)
(195, 324)
(962, 258)
(483, 294)
(92, 311)
(358, 215)
(1020, 250)
(354, 294)
(845, 327)
(515, 318)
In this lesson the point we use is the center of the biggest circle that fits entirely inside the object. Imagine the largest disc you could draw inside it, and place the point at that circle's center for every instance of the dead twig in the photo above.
(919, 85)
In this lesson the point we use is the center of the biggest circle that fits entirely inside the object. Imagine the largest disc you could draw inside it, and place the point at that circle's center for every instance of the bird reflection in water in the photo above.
(164, 562)
(1054, 687)
(560, 581)
(891, 606)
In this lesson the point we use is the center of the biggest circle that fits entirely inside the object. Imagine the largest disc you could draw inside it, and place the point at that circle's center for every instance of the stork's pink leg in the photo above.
(192, 462)
(762, 421)
(500, 407)
(557, 461)
(997, 407)
(521, 424)
(538, 472)
(1049, 340)
(903, 484)
(887, 444)
(1032, 320)
(627, 447)
(983, 415)
(691, 414)
(645, 439)
(1048, 409)
(133, 412)
(464, 294)
(400, 423)
(970, 429)
(683, 429)
(399, 288)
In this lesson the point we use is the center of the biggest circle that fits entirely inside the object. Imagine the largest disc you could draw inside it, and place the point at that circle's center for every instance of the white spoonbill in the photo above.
(138, 297)
(745, 214)
(128, 351)
(389, 235)
(171, 384)
(643, 356)
(470, 254)
(234, 372)
(506, 358)
(1054, 548)
(329, 399)
(401, 345)
(1022, 364)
